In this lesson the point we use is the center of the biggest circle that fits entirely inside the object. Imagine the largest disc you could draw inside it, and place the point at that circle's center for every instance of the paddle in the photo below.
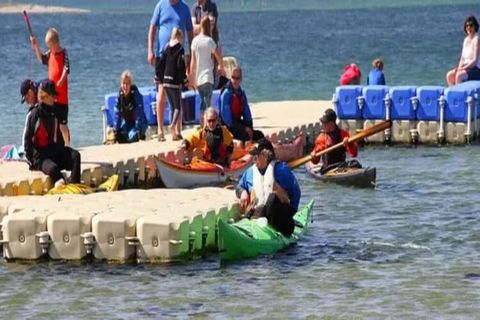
(27, 21)
(359, 136)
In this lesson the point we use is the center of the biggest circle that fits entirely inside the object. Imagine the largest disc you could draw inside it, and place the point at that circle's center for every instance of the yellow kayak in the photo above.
(76, 188)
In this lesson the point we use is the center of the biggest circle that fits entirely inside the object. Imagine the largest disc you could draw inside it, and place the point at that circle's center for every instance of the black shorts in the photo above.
(61, 113)
(473, 73)
(159, 71)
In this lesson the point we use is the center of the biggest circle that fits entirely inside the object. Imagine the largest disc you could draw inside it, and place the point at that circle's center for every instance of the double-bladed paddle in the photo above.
(27, 21)
(359, 136)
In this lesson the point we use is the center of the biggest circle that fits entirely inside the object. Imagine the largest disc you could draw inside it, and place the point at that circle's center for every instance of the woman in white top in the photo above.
(469, 65)
(201, 65)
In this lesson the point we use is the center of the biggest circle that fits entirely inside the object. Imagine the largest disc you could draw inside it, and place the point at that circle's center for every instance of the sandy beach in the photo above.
(33, 8)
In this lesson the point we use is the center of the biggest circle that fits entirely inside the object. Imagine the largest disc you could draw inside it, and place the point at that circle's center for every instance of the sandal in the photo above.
(179, 136)
(176, 138)
(161, 137)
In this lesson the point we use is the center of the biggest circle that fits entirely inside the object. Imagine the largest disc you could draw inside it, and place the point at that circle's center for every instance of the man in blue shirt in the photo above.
(269, 189)
(167, 15)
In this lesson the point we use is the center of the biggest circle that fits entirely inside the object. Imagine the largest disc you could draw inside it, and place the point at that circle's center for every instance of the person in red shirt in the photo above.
(331, 135)
(56, 59)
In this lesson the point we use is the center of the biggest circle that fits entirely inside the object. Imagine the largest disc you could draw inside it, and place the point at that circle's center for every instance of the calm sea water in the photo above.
(287, 55)
(409, 249)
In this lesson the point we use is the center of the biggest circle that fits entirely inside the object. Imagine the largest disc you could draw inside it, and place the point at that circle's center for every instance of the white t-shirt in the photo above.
(203, 47)
(468, 51)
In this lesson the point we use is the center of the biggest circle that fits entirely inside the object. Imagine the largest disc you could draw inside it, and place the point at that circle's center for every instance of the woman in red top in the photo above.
(331, 135)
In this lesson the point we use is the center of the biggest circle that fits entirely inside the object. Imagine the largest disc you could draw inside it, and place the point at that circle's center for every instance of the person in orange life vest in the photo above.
(331, 135)
(214, 141)
(56, 60)
(28, 91)
(235, 111)
(39, 139)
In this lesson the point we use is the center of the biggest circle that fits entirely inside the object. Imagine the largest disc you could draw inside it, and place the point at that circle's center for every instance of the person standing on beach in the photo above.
(174, 79)
(56, 60)
(201, 66)
(207, 8)
(39, 139)
(167, 15)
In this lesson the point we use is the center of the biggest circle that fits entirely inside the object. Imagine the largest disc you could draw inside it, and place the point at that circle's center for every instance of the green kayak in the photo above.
(250, 238)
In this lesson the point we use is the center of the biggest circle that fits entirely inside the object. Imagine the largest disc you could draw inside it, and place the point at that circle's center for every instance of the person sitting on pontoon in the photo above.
(213, 141)
(235, 110)
(331, 134)
(269, 189)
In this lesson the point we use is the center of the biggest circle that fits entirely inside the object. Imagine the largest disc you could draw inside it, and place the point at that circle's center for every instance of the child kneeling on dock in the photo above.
(269, 189)
(130, 122)
(40, 139)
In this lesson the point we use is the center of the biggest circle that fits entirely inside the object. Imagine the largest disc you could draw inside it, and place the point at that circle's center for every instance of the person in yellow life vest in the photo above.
(213, 142)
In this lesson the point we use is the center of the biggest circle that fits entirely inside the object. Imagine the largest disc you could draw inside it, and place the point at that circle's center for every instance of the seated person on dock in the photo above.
(130, 122)
(468, 67)
(28, 91)
(39, 140)
(376, 76)
(351, 75)
(214, 141)
(235, 111)
(331, 134)
(269, 189)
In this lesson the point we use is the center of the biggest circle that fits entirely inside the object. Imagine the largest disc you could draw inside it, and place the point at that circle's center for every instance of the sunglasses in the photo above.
(236, 78)
(211, 120)
(469, 25)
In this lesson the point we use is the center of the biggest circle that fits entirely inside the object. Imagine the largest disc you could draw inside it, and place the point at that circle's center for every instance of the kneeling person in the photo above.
(130, 123)
(39, 140)
(214, 141)
(269, 189)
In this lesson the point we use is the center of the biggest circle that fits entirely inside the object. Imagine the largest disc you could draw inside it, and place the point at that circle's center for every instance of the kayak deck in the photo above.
(251, 238)
(356, 177)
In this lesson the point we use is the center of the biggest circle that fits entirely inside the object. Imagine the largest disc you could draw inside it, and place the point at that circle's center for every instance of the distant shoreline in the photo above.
(34, 8)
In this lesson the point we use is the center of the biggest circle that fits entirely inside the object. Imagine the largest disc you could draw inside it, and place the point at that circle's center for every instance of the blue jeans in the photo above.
(205, 91)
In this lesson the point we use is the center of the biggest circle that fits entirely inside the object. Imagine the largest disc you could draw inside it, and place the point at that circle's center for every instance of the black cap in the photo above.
(48, 87)
(329, 116)
(262, 144)
(24, 87)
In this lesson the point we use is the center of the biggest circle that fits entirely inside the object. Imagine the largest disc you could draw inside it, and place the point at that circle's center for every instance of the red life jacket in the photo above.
(40, 137)
(237, 106)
